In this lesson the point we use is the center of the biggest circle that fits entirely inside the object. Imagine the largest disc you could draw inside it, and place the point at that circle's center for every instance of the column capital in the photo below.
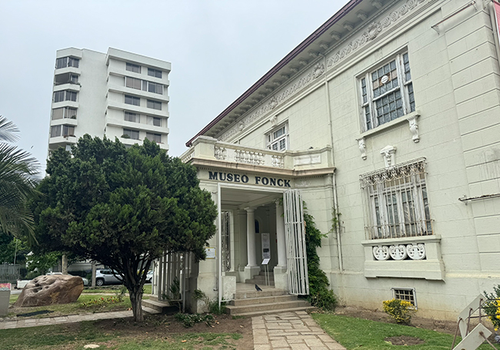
(249, 209)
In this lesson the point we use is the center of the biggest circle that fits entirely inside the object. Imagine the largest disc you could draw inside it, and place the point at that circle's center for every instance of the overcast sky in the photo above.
(218, 49)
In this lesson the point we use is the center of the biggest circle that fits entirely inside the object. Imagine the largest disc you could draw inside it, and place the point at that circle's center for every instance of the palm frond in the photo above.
(8, 130)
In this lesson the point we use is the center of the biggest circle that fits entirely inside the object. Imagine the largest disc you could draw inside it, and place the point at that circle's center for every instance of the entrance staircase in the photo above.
(260, 279)
(154, 306)
(249, 302)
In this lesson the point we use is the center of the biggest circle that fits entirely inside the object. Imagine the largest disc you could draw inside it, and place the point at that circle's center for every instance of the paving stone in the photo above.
(326, 338)
(299, 347)
(279, 343)
(262, 347)
(295, 339)
(314, 342)
(334, 346)
(260, 340)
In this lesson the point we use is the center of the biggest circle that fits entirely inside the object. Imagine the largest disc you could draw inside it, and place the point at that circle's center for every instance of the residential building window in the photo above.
(55, 131)
(153, 137)
(154, 73)
(152, 87)
(156, 121)
(64, 62)
(387, 92)
(132, 117)
(277, 139)
(67, 130)
(406, 294)
(132, 100)
(130, 134)
(64, 112)
(66, 78)
(133, 67)
(154, 104)
(133, 83)
(64, 95)
(396, 202)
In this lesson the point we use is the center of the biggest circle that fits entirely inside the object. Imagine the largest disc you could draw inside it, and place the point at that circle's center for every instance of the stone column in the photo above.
(251, 262)
(280, 277)
(280, 234)
(251, 269)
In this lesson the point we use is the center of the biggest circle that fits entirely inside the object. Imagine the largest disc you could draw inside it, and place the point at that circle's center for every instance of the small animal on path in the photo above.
(257, 288)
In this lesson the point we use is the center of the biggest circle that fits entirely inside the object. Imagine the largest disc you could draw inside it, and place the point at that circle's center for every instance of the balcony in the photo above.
(210, 152)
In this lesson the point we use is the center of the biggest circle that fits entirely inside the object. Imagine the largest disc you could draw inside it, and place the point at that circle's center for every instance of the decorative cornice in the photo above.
(372, 31)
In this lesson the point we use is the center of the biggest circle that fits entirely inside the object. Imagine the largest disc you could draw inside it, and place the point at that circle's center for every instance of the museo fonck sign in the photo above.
(255, 180)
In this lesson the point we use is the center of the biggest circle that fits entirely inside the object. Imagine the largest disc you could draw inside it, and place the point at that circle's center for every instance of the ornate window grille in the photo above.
(396, 202)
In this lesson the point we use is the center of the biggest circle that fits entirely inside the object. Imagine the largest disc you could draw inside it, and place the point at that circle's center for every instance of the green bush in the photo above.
(400, 311)
(189, 320)
(492, 306)
(319, 294)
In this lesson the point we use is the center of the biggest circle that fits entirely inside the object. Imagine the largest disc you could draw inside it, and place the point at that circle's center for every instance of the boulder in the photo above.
(50, 289)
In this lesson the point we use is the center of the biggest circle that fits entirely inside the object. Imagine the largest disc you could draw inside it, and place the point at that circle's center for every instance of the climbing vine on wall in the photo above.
(319, 293)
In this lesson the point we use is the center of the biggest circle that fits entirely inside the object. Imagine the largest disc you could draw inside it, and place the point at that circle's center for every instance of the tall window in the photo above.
(153, 137)
(133, 67)
(396, 202)
(132, 100)
(64, 112)
(277, 139)
(64, 62)
(65, 95)
(131, 134)
(154, 73)
(132, 117)
(133, 83)
(387, 92)
(154, 104)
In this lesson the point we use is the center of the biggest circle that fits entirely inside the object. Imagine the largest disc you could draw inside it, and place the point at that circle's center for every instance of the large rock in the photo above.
(51, 289)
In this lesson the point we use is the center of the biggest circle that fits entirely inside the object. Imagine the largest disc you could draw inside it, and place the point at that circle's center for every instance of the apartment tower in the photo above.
(117, 94)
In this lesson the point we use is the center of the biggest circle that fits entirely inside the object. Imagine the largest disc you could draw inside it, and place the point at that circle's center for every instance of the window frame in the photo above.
(153, 104)
(281, 141)
(67, 61)
(370, 117)
(396, 202)
(132, 67)
(65, 95)
(152, 72)
(134, 100)
(153, 137)
(136, 119)
(130, 133)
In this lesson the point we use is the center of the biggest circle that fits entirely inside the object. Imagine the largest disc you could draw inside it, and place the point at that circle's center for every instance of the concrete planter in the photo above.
(4, 302)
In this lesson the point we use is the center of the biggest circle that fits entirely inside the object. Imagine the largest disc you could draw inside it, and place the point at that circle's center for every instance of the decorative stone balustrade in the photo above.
(207, 148)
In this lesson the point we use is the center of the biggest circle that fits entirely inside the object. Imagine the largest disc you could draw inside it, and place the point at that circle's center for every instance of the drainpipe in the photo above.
(334, 184)
(219, 244)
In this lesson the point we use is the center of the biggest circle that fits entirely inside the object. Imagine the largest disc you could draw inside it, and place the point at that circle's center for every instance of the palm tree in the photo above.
(17, 183)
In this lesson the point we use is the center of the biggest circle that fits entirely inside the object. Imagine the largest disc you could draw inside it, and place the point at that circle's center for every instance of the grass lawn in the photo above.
(354, 333)
(77, 307)
(112, 289)
(76, 336)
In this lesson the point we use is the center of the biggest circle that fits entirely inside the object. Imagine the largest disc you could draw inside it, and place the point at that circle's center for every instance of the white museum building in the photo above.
(385, 122)
(114, 94)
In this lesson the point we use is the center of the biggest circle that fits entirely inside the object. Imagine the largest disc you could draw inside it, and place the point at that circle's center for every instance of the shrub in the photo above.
(319, 294)
(492, 306)
(188, 320)
(400, 310)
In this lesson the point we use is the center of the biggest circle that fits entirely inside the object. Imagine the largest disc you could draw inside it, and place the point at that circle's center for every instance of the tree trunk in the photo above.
(64, 264)
(136, 301)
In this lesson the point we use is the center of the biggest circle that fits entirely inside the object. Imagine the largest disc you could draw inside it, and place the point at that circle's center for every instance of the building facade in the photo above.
(114, 94)
(385, 122)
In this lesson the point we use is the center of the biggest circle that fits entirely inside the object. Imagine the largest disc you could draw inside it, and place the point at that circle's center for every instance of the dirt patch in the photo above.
(380, 316)
(165, 327)
(404, 340)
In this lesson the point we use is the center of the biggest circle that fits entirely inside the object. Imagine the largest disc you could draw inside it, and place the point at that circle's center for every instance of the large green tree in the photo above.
(17, 183)
(123, 207)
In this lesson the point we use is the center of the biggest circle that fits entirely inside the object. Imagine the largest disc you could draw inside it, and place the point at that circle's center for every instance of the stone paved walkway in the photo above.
(290, 330)
(33, 322)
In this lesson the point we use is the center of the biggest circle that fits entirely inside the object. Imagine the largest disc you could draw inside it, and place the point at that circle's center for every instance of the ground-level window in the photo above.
(406, 294)
(277, 139)
(396, 202)
(387, 92)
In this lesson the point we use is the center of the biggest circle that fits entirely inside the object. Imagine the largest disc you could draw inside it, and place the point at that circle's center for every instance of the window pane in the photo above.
(57, 113)
(132, 134)
(133, 67)
(133, 83)
(55, 131)
(156, 121)
(153, 137)
(154, 72)
(132, 100)
(61, 62)
(132, 117)
(58, 96)
(154, 104)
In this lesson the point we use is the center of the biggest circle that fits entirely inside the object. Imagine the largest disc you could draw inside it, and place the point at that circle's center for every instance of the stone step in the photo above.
(263, 300)
(267, 308)
(268, 312)
(260, 281)
(255, 294)
(162, 307)
(149, 310)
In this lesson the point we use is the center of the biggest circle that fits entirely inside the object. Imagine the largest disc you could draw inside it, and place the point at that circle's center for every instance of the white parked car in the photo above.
(105, 276)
